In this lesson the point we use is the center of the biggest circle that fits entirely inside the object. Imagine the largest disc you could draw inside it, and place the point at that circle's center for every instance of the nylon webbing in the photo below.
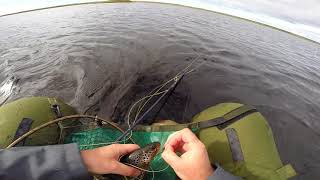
(220, 122)
(24, 126)
(226, 119)
(235, 145)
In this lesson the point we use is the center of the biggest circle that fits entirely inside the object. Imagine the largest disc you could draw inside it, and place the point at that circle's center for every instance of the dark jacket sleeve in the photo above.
(58, 162)
(221, 174)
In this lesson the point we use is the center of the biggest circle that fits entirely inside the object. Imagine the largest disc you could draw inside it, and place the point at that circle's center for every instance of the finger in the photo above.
(179, 147)
(188, 136)
(125, 170)
(170, 136)
(170, 156)
(185, 148)
(124, 149)
(174, 139)
(179, 138)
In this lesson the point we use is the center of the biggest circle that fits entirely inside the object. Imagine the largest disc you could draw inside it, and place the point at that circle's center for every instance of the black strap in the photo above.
(219, 122)
(24, 126)
(225, 120)
(235, 145)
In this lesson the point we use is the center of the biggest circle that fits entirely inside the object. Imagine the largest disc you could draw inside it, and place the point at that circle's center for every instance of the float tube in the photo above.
(24, 114)
(237, 136)
(241, 141)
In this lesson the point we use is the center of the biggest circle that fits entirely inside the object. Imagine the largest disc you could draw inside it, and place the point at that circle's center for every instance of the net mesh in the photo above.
(98, 137)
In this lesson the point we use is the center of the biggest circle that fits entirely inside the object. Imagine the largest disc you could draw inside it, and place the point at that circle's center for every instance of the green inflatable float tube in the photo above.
(27, 113)
(237, 136)
(241, 141)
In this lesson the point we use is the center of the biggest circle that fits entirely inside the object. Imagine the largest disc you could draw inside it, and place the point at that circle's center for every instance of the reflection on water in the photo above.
(6, 88)
(103, 57)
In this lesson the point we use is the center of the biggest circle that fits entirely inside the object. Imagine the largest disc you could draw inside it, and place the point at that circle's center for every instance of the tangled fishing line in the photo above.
(156, 92)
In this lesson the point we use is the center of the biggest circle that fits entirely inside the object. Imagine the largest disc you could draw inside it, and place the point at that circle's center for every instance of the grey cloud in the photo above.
(297, 11)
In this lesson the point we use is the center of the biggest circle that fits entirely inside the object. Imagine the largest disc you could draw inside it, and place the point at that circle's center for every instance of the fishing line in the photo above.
(141, 118)
(62, 119)
(156, 90)
(172, 79)
(147, 98)
(152, 173)
(175, 78)
(146, 170)
(98, 144)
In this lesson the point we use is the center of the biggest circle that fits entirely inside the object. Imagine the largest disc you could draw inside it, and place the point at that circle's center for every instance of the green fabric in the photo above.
(39, 110)
(261, 158)
(103, 136)
(286, 171)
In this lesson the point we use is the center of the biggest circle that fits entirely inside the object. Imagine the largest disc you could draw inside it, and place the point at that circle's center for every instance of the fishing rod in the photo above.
(167, 97)
(172, 87)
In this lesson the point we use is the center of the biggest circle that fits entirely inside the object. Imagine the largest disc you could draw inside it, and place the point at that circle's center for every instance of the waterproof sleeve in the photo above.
(58, 162)
(221, 174)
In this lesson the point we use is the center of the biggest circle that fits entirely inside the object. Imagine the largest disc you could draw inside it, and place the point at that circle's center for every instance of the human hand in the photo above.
(105, 160)
(194, 162)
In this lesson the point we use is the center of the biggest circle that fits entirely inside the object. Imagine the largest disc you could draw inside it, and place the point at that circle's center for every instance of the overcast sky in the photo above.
(302, 11)
(301, 17)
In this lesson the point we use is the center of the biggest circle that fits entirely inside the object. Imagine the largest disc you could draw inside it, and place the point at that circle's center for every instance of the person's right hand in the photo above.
(194, 162)
(105, 160)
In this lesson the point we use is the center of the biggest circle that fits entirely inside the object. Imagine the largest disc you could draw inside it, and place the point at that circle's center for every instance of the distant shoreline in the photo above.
(129, 1)
(66, 5)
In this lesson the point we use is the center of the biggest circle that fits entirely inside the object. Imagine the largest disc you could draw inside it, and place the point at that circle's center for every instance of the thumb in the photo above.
(124, 149)
(171, 157)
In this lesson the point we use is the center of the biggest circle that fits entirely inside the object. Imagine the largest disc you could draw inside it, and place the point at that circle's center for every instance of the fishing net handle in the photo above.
(32, 131)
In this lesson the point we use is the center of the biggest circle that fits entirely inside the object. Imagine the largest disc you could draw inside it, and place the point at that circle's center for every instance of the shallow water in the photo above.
(106, 56)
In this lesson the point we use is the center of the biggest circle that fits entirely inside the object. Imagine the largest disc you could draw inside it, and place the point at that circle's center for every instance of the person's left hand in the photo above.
(105, 160)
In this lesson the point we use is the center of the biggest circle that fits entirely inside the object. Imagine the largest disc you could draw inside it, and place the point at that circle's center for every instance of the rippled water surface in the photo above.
(106, 56)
